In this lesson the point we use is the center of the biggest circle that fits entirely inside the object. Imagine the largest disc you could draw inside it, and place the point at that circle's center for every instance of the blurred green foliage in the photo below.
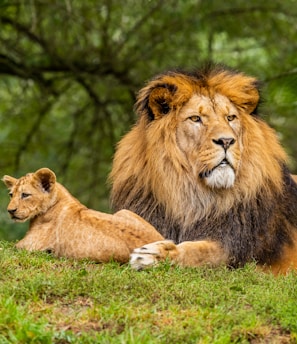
(70, 70)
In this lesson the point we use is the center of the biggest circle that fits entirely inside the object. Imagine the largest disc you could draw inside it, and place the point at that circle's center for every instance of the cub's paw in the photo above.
(150, 254)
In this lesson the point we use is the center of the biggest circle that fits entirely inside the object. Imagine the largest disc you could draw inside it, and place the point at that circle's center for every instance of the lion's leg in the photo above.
(287, 261)
(188, 253)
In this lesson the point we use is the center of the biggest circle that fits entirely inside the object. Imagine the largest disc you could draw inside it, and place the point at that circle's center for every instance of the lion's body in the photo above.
(61, 224)
(203, 168)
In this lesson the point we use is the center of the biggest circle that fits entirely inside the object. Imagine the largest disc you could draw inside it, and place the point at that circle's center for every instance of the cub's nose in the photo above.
(11, 211)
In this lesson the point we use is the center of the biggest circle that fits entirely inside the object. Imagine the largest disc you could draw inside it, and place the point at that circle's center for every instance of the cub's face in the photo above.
(209, 135)
(30, 195)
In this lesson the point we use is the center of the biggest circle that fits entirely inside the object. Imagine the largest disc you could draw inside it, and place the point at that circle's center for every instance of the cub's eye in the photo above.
(195, 119)
(10, 194)
(25, 195)
(231, 118)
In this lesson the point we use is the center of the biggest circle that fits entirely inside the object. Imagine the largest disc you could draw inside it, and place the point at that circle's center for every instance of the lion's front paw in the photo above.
(150, 254)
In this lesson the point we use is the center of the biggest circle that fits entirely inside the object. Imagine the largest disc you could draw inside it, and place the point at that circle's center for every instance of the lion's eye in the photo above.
(231, 118)
(25, 195)
(10, 194)
(195, 119)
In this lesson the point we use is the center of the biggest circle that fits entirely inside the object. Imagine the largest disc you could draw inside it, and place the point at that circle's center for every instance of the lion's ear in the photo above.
(241, 89)
(46, 178)
(160, 100)
(249, 100)
(155, 100)
(9, 181)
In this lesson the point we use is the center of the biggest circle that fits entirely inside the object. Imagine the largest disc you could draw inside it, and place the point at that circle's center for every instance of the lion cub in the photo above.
(59, 223)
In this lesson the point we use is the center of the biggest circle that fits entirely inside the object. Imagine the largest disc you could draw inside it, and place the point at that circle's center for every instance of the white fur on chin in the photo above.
(223, 177)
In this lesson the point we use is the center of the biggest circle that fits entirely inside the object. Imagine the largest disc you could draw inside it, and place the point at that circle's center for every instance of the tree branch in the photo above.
(30, 134)
(282, 75)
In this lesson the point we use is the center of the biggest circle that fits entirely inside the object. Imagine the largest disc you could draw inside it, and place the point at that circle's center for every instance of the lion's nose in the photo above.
(225, 142)
(11, 211)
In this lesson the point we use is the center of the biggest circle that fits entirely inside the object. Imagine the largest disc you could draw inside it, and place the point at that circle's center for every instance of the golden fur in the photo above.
(61, 224)
(207, 172)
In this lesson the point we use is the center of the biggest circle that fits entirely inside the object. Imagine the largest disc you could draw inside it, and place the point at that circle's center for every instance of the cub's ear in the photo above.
(46, 178)
(9, 181)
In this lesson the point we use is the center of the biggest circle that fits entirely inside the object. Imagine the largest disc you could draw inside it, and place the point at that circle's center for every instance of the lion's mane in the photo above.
(151, 176)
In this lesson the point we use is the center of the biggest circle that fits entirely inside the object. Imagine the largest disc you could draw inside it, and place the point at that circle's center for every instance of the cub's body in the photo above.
(61, 224)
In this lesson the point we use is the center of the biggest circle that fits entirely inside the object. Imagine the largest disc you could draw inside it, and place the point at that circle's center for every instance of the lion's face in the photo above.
(209, 135)
(30, 195)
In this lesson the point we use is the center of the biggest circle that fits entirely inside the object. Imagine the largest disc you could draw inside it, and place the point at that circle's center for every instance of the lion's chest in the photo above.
(248, 232)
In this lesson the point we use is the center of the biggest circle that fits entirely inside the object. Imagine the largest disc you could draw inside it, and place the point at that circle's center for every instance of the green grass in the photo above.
(48, 300)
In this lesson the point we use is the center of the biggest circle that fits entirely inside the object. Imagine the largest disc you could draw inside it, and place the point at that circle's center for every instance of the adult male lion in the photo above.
(204, 169)
(61, 224)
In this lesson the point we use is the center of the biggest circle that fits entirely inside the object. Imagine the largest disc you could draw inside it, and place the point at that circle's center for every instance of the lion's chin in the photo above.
(222, 177)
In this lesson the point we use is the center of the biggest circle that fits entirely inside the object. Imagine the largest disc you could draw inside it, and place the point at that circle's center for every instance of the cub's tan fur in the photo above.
(61, 224)
(203, 168)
